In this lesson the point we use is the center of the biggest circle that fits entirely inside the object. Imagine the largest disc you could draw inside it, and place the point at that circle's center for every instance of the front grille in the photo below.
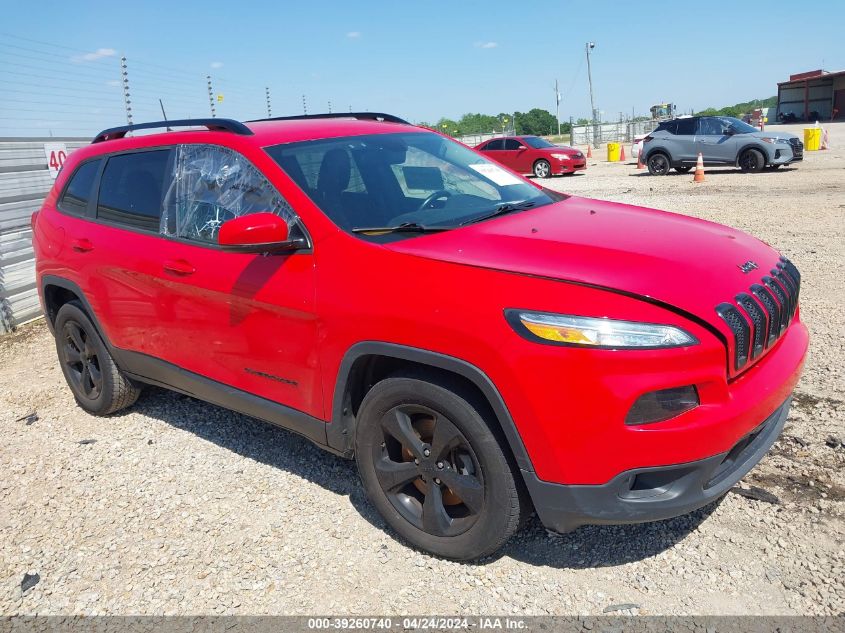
(757, 319)
(797, 147)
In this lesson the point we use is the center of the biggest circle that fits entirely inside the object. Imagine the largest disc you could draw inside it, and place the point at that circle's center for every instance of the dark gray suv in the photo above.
(721, 140)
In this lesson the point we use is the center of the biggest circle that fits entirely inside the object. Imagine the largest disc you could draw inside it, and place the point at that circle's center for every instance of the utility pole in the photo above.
(588, 47)
(557, 107)
(211, 97)
(330, 106)
(269, 110)
(127, 102)
(304, 106)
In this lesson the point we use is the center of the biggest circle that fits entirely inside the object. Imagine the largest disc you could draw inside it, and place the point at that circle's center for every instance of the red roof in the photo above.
(811, 74)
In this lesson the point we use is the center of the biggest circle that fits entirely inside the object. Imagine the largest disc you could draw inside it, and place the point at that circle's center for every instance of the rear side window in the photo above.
(132, 188)
(668, 126)
(686, 127)
(79, 188)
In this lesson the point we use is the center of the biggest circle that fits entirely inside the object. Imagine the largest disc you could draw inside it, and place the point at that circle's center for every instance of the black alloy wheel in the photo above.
(428, 471)
(81, 360)
(433, 465)
(658, 165)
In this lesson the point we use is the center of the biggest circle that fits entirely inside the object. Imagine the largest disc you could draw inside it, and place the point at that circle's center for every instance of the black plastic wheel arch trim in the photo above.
(340, 433)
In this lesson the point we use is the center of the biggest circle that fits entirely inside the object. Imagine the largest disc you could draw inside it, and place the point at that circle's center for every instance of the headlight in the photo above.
(565, 329)
(774, 139)
(561, 156)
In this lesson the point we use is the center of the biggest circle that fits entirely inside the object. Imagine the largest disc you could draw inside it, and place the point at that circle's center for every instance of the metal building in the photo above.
(25, 179)
(814, 95)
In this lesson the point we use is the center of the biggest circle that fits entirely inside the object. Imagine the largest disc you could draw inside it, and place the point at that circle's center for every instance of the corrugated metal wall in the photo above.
(24, 182)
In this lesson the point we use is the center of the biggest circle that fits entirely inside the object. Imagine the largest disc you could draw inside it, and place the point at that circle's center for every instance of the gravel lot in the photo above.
(178, 507)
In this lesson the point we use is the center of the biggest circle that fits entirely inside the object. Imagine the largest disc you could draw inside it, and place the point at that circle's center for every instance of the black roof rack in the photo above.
(228, 125)
(364, 116)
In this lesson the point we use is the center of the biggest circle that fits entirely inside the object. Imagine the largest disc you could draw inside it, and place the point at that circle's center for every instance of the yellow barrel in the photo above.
(613, 151)
(812, 138)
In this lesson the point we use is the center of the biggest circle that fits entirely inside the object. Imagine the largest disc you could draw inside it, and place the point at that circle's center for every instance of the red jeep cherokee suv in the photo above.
(482, 346)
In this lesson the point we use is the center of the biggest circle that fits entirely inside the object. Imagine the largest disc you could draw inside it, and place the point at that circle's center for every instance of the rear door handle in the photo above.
(82, 245)
(179, 267)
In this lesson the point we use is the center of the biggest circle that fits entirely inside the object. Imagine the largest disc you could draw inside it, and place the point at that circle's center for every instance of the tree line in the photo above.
(739, 109)
(536, 122)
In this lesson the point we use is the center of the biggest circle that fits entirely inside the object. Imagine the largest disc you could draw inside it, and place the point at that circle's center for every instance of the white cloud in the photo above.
(217, 64)
(100, 53)
(353, 35)
(486, 44)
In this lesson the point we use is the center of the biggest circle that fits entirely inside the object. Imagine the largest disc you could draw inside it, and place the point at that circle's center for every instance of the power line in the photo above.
(54, 78)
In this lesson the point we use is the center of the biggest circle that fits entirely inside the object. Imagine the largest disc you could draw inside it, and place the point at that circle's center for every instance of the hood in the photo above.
(562, 149)
(691, 264)
(773, 134)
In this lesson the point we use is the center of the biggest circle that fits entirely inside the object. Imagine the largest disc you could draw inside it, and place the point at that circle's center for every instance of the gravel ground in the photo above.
(178, 507)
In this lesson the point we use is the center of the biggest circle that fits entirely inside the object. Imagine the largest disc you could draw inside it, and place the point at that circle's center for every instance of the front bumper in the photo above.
(569, 166)
(785, 154)
(652, 494)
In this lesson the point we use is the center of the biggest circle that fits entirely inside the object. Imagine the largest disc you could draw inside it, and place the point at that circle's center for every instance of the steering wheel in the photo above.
(441, 193)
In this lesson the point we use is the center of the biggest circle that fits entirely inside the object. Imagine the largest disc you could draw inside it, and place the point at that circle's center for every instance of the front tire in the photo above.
(542, 169)
(751, 161)
(96, 382)
(433, 469)
(658, 164)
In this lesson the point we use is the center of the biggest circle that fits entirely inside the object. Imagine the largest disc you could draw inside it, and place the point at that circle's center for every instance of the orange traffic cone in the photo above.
(699, 169)
(589, 151)
(640, 159)
(622, 153)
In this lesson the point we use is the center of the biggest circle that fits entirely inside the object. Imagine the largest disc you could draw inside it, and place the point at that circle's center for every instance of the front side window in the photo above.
(78, 191)
(738, 127)
(132, 188)
(414, 178)
(212, 184)
(512, 144)
(495, 144)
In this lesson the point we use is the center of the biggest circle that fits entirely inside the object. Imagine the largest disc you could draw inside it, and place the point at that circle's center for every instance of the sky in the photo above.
(60, 68)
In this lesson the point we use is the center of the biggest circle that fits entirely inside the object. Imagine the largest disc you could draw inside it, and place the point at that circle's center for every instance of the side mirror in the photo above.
(521, 147)
(256, 233)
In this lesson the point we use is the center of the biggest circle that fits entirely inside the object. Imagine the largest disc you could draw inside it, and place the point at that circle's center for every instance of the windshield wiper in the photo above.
(405, 227)
(502, 209)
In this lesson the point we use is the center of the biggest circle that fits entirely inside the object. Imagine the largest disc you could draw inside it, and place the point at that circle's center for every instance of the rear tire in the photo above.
(658, 164)
(751, 161)
(542, 169)
(96, 382)
(433, 468)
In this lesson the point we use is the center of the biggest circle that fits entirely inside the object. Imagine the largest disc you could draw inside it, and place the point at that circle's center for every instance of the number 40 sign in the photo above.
(56, 155)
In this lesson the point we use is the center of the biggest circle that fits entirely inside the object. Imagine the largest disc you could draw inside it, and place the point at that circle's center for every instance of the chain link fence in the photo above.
(623, 132)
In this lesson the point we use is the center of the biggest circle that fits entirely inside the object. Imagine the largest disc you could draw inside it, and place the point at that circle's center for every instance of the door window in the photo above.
(131, 189)
(710, 126)
(213, 184)
(495, 145)
(512, 144)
